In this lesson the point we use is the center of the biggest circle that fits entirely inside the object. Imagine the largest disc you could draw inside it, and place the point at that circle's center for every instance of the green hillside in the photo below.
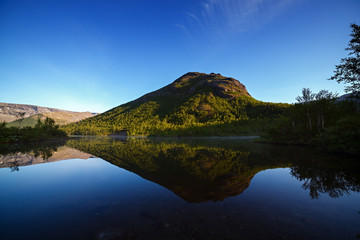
(194, 104)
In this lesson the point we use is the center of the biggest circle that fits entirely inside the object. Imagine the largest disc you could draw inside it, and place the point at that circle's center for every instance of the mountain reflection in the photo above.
(17, 156)
(194, 172)
(200, 170)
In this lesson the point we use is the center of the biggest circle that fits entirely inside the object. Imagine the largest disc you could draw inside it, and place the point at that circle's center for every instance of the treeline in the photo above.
(322, 120)
(42, 130)
(202, 114)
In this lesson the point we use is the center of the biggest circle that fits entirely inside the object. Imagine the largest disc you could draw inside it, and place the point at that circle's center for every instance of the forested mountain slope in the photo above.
(195, 100)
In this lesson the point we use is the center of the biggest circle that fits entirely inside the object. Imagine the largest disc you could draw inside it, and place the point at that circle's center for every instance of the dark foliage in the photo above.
(318, 119)
(42, 130)
(348, 71)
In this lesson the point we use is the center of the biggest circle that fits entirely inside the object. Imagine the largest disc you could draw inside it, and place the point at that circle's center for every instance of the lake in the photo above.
(106, 188)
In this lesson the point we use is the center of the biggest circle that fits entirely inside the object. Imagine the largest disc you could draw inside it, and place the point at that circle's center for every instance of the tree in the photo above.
(324, 100)
(20, 117)
(49, 123)
(348, 71)
(306, 98)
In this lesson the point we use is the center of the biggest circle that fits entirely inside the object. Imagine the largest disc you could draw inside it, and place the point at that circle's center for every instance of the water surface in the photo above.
(216, 188)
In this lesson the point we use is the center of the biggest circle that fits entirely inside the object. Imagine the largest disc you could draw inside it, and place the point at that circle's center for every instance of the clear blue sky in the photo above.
(95, 55)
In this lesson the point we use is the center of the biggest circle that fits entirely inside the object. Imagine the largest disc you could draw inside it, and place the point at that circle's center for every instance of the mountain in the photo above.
(194, 82)
(11, 113)
(193, 100)
(349, 97)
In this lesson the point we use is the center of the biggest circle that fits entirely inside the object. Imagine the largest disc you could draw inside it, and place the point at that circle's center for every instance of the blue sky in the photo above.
(95, 55)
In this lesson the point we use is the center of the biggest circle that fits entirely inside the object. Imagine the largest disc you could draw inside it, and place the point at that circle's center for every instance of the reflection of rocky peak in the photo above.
(24, 159)
(201, 190)
(195, 173)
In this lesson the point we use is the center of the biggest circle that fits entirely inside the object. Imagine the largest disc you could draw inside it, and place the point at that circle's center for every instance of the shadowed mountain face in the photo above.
(30, 114)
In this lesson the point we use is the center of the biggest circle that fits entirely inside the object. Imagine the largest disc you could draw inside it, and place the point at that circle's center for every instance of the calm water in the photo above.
(217, 188)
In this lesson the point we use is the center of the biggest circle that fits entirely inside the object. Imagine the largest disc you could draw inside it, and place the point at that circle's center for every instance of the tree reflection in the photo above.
(41, 148)
(45, 152)
(333, 177)
(14, 167)
(16, 155)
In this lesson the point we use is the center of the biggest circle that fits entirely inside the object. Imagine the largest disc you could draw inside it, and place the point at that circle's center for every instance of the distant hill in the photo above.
(11, 113)
(348, 97)
(194, 99)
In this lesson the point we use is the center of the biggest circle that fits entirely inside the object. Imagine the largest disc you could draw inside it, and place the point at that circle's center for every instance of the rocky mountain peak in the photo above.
(196, 82)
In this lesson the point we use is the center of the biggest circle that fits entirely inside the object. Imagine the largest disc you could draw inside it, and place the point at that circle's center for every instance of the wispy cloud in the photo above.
(183, 28)
(221, 16)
